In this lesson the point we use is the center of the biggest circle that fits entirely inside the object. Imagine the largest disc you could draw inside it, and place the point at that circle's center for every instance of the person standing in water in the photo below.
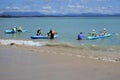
(52, 33)
(80, 36)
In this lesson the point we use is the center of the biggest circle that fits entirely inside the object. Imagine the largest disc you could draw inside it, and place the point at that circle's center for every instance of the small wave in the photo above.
(85, 46)
(108, 54)
(61, 44)
(20, 42)
(106, 59)
(96, 52)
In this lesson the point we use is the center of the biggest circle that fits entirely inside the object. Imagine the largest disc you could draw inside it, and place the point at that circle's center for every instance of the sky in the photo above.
(61, 6)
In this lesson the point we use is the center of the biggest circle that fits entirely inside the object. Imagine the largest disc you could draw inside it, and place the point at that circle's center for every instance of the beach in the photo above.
(24, 55)
(19, 62)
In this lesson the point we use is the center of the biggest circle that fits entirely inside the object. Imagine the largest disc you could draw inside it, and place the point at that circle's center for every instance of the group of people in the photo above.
(50, 34)
(103, 32)
(93, 33)
(15, 29)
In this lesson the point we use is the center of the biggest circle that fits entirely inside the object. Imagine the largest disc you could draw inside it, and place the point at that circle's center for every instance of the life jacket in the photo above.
(104, 32)
(14, 29)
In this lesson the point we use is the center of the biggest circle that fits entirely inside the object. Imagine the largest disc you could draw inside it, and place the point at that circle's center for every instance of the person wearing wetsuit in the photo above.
(52, 33)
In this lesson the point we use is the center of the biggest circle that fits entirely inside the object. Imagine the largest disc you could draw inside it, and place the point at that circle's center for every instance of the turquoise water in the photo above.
(67, 28)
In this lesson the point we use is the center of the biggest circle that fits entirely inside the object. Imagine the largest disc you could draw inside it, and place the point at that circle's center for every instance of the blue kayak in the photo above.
(99, 36)
(11, 31)
(42, 37)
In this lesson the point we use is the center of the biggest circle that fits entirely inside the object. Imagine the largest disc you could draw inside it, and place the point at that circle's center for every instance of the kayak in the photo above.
(11, 31)
(42, 37)
(99, 36)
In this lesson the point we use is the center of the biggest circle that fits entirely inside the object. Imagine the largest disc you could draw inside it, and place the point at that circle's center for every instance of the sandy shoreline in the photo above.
(53, 63)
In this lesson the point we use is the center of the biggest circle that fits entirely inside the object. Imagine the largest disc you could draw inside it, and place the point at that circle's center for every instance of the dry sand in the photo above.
(47, 63)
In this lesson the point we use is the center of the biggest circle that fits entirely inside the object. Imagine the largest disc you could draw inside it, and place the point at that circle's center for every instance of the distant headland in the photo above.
(38, 14)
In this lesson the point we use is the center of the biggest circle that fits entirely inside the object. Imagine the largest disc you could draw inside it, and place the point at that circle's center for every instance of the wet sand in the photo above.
(45, 63)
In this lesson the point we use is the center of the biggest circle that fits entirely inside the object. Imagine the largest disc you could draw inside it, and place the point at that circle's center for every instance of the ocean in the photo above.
(66, 27)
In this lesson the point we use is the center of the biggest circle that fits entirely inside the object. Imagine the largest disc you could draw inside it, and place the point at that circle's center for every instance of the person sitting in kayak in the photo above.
(38, 32)
(52, 33)
(80, 36)
(104, 32)
(93, 33)
(19, 29)
(14, 29)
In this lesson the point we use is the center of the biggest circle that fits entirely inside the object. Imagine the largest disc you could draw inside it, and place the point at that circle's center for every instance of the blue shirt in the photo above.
(80, 36)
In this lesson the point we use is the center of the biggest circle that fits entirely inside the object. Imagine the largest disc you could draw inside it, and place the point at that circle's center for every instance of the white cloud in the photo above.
(15, 8)
(75, 6)
(27, 8)
(102, 10)
(7, 7)
(12, 8)
(46, 7)
(48, 11)
(85, 9)
(64, 6)
(102, 0)
(71, 6)
(87, 1)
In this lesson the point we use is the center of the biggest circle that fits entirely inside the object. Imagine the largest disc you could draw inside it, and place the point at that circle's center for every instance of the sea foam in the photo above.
(20, 42)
